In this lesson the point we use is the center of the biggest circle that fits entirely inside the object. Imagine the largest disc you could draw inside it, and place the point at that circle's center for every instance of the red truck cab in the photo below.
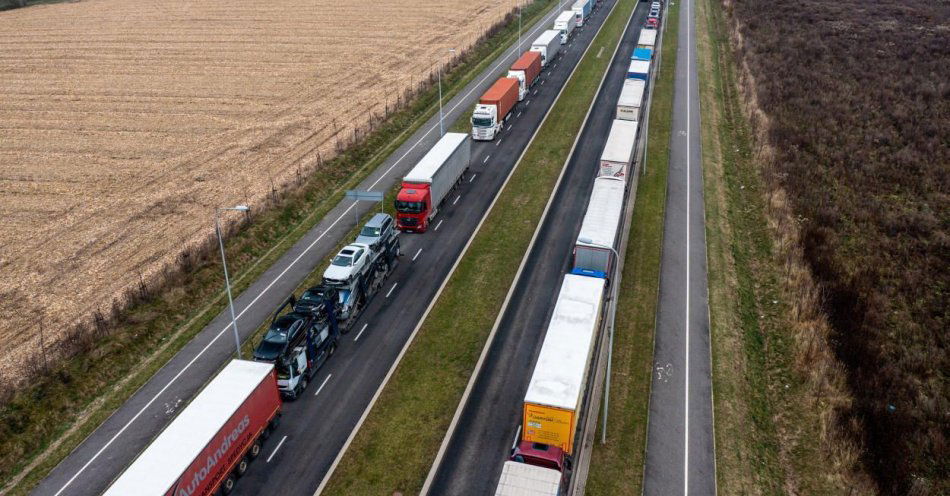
(541, 455)
(413, 204)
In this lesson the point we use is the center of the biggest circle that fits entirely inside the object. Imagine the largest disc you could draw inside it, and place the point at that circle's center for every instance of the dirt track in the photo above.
(124, 123)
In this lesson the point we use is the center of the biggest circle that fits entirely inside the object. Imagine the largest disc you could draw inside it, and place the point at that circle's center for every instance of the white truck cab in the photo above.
(522, 84)
(485, 123)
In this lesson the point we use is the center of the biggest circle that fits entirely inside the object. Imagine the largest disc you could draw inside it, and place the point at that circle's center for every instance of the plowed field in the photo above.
(123, 124)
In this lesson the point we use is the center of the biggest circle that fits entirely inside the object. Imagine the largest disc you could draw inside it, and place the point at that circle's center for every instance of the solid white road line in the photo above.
(138, 414)
(486, 158)
(324, 383)
(437, 226)
(281, 443)
(472, 178)
(360, 333)
(686, 375)
(416, 255)
(456, 199)
(391, 289)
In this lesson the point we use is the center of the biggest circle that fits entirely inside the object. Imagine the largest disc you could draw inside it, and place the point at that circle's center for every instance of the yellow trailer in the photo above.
(556, 391)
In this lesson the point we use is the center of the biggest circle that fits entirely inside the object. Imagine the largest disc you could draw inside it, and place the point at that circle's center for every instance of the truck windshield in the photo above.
(283, 371)
(409, 207)
(481, 122)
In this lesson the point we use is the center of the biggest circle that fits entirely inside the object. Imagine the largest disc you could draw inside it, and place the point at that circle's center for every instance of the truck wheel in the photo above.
(255, 450)
(228, 485)
(241, 466)
(303, 383)
(332, 349)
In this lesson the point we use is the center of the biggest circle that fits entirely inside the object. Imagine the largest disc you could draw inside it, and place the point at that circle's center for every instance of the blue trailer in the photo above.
(642, 54)
(582, 10)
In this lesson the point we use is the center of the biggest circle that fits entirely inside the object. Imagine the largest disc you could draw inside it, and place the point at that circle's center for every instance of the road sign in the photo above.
(359, 195)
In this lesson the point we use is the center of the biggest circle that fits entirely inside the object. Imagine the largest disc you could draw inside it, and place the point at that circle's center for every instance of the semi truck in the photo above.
(617, 156)
(565, 23)
(548, 45)
(631, 99)
(425, 187)
(555, 393)
(639, 69)
(593, 250)
(488, 118)
(526, 70)
(298, 344)
(641, 53)
(209, 445)
(581, 9)
(647, 38)
(350, 290)
(522, 479)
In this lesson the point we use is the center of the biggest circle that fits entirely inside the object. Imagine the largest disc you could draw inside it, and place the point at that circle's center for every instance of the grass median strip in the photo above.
(399, 439)
(617, 466)
(40, 425)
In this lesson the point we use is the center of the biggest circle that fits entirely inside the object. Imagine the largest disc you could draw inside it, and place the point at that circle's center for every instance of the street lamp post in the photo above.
(227, 280)
(441, 126)
(610, 328)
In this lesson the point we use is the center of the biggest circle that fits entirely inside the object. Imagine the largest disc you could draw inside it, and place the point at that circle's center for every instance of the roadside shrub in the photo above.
(858, 105)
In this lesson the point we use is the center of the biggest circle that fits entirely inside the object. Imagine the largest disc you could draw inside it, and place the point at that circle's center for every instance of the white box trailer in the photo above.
(553, 401)
(631, 99)
(548, 44)
(639, 69)
(521, 479)
(442, 166)
(599, 229)
(647, 38)
(565, 23)
(617, 157)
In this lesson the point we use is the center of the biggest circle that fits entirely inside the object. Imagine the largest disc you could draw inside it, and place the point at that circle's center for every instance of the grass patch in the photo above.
(42, 424)
(617, 466)
(395, 447)
(767, 425)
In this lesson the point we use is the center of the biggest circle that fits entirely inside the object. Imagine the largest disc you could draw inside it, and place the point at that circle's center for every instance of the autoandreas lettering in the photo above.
(213, 459)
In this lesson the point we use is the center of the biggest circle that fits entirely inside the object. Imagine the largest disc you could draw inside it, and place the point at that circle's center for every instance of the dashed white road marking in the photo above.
(437, 226)
(416, 255)
(281, 443)
(486, 158)
(456, 199)
(324, 383)
(470, 180)
(391, 289)
(360, 333)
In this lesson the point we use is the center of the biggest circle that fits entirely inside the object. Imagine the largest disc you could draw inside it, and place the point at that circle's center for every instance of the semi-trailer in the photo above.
(209, 445)
(631, 99)
(639, 69)
(593, 250)
(565, 23)
(555, 393)
(647, 38)
(522, 479)
(526, 70)
(548, 45)
(488, 118)
(641, 53)
(581, 9)
(617, 156)
(425, 187)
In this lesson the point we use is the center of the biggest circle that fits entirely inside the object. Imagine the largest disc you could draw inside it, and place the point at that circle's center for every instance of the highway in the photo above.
(315, 427)
(680, 457)
(490, 418)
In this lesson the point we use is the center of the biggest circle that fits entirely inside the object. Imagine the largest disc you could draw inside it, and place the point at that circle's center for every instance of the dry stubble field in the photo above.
(124, 123)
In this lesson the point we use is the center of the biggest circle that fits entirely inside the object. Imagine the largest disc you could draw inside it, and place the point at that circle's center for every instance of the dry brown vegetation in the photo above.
(123, 124)
(854, 101)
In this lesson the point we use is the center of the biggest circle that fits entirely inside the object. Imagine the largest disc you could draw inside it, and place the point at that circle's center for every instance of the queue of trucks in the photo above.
(540, 463)
(211, 443)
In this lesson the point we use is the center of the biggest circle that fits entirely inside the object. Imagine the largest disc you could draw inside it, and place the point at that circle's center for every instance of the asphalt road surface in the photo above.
(680, 453)
(315, 427)
(490, 418)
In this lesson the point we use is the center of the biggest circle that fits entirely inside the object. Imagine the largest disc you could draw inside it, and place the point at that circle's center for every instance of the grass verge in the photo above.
(396, 445)
(40, 425)
(617, 466)
(767, 427)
